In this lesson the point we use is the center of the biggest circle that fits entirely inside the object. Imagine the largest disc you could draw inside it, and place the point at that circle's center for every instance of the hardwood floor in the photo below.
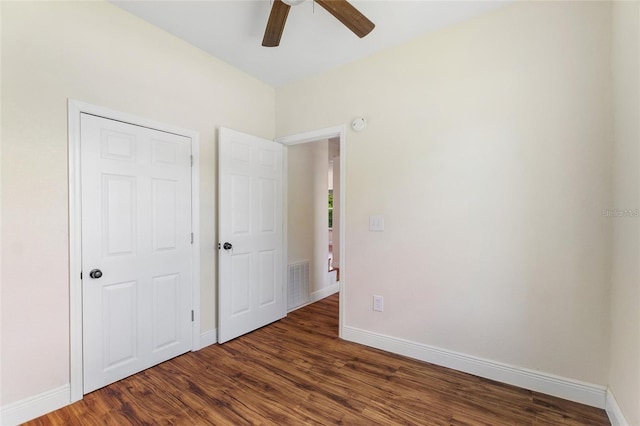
(297, 372)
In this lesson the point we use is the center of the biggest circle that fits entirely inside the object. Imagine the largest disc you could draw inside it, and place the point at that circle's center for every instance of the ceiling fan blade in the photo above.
(348, 15)
(275, 25)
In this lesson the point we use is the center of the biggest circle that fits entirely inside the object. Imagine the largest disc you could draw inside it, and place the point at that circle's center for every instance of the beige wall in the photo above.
(307, 231)
(624, 378)
(321, 216)
(334, 155)
(488, 150)
(300, 206)
(93, 52)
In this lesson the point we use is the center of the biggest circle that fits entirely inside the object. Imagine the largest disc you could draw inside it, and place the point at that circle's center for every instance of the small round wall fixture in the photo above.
(359, 124)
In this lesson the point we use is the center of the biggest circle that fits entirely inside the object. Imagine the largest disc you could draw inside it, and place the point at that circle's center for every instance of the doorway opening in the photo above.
(314, 194)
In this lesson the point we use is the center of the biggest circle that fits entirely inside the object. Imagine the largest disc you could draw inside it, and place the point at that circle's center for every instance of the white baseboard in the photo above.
(208, 338)
(614, 412)
(573, 390)
(319, 295)
(325, 292)
(35, 406)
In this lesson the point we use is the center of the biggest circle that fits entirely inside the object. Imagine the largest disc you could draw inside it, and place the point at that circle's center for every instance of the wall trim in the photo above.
(35, 406)
(208, 338)
(325, 292)
(319, 295)
(585, 393)
(573, 390)
(616, 417)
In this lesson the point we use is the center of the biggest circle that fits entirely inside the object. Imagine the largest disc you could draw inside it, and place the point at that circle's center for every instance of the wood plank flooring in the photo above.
(297, 372)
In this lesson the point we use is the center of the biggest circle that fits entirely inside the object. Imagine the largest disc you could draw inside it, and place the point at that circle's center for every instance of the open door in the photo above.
(250, 229)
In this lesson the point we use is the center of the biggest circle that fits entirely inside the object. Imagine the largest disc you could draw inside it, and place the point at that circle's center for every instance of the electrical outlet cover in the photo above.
(376, 223)
(378, 303)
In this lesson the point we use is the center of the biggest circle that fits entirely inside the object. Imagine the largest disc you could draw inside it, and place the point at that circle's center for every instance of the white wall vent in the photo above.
(298, 285)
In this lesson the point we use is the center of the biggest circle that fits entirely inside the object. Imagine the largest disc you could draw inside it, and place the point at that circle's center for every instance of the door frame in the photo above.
(75, 109)
(314, 136)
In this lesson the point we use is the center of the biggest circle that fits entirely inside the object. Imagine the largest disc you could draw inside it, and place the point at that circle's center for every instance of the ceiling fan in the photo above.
(341, 9)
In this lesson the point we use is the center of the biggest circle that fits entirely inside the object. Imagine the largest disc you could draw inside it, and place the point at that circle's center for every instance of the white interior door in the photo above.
(251, 287)
(136, 231)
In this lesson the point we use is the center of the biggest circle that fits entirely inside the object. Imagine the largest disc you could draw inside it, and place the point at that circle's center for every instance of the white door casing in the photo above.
(136, 229)
(250, 215)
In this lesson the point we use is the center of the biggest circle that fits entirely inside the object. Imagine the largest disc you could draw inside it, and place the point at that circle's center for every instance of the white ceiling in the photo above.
(313, 41)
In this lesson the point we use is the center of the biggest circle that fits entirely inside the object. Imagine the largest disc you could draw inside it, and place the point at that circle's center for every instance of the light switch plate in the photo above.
(376, 223)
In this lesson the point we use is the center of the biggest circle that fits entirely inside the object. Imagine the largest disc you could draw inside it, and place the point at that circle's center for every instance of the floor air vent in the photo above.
(298, 285)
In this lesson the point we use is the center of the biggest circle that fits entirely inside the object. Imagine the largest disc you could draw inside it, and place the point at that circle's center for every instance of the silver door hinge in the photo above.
(192, 315)
(192, 238)
(80, 274)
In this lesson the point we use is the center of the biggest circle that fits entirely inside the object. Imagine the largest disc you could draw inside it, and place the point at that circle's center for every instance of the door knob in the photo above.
(95, 273)
(227, 246)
